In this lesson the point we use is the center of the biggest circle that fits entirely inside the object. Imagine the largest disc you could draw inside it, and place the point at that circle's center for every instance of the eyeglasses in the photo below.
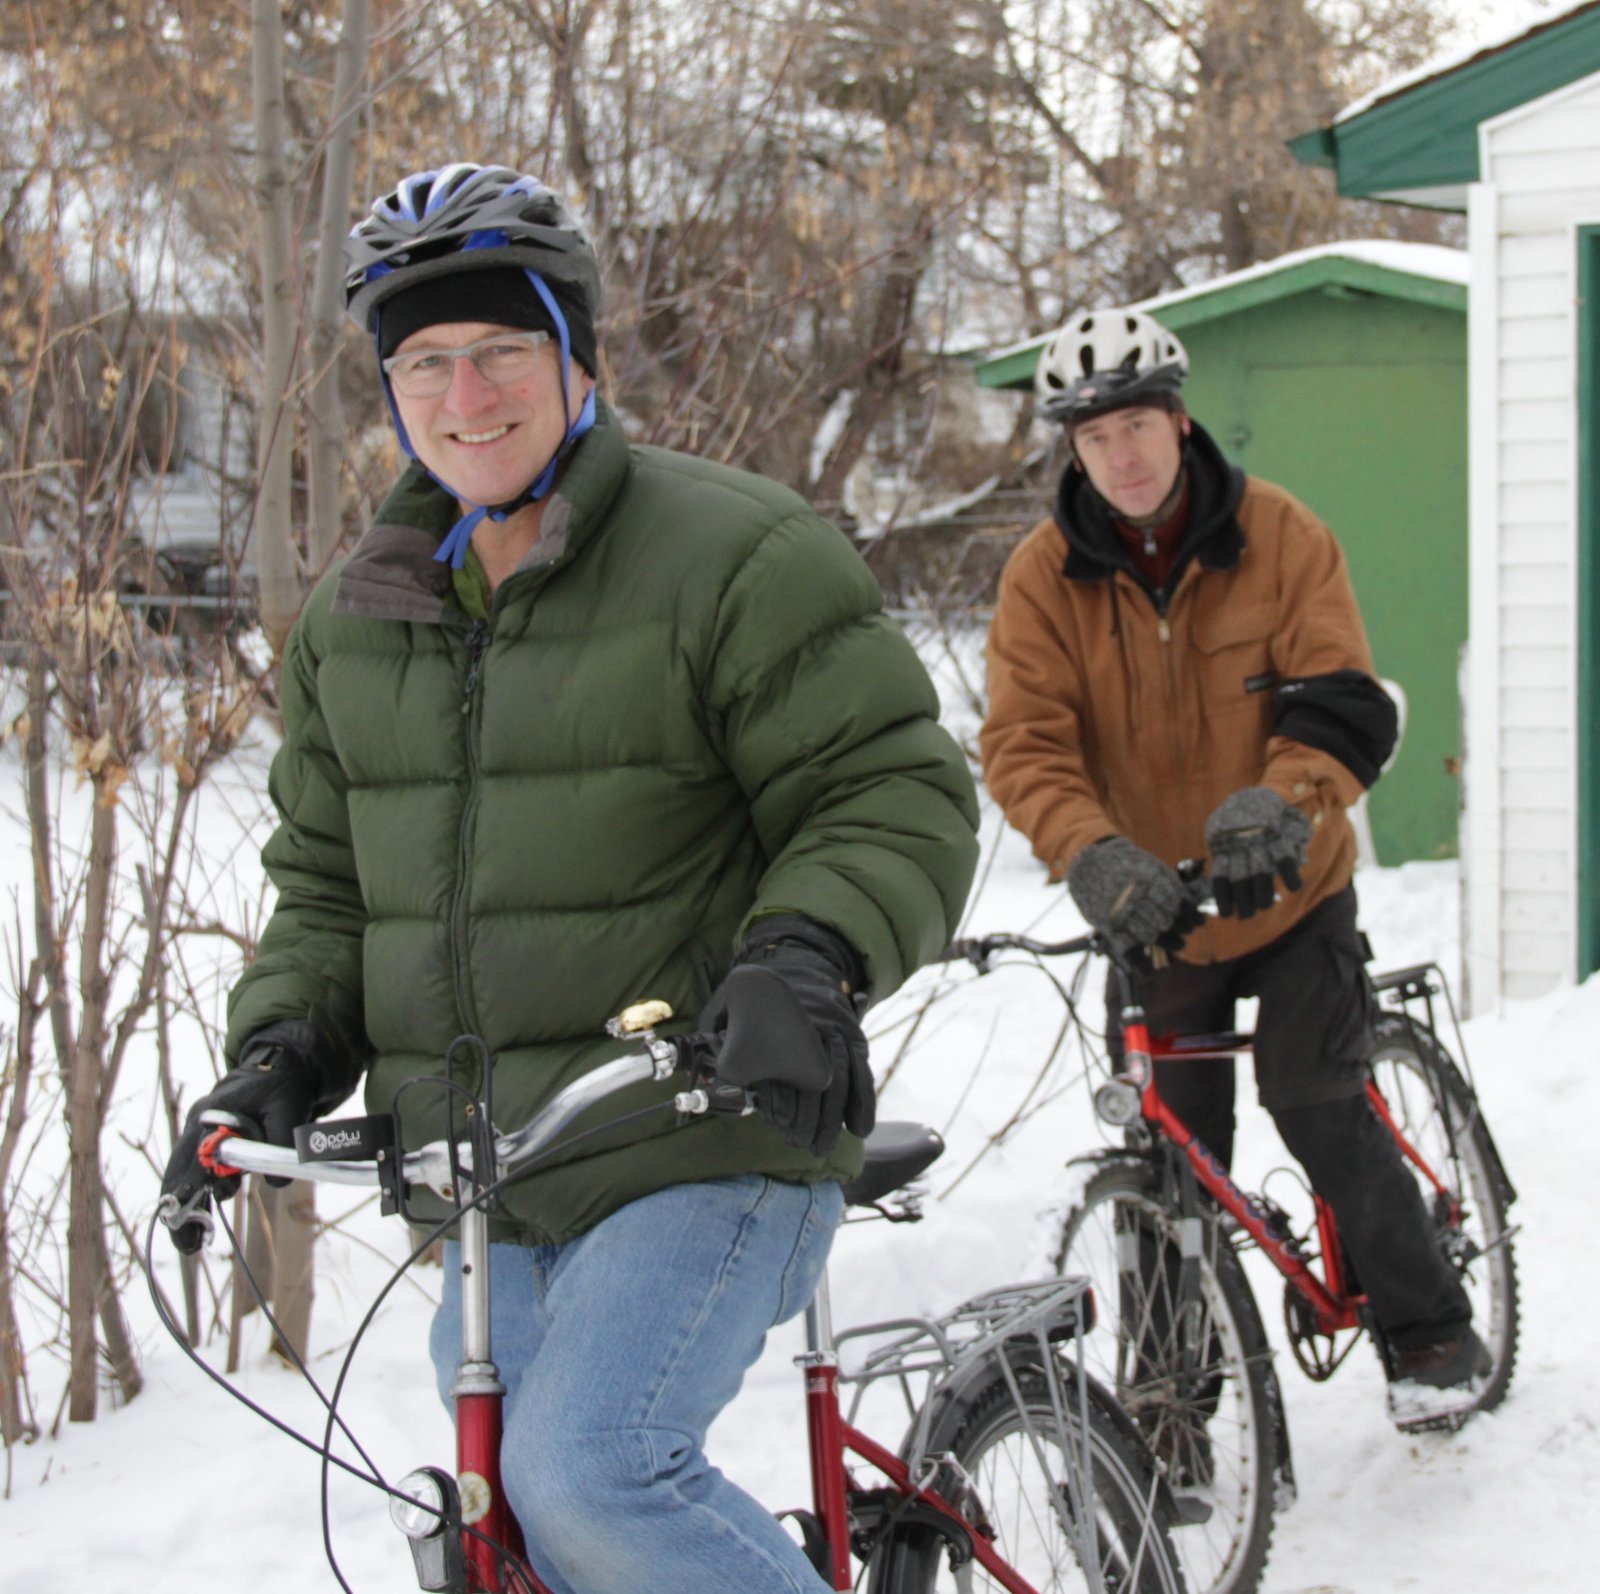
(426, 373)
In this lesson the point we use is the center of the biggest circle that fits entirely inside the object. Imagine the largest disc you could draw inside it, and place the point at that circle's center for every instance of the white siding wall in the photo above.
(1540, 169)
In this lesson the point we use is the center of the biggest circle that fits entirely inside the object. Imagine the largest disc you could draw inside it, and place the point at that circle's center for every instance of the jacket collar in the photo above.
(1213, 534)
(392, 574)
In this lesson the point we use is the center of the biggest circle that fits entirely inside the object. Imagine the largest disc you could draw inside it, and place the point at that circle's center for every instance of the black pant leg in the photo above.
(1354, 1164)
(1187, 998)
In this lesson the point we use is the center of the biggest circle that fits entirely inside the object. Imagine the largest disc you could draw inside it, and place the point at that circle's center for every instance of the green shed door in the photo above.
(1379, 452)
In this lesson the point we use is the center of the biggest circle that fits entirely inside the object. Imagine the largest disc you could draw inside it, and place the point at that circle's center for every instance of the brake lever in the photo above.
(175, 1214)
(706, 1093)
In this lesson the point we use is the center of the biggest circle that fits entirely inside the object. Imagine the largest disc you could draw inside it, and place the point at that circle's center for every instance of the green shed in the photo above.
(1340, 372)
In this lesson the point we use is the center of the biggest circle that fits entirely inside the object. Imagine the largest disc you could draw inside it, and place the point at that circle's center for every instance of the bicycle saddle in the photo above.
(896, 1154)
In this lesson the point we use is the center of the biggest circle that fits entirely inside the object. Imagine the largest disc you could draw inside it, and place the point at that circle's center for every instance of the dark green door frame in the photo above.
(1588, 600)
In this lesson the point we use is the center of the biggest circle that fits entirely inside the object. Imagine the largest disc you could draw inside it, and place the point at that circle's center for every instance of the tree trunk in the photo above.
(891, 324)
(88, 1276)
(280, 1232)
(273, 534)
(14, 1427)
(325, 413)
(84, 1212)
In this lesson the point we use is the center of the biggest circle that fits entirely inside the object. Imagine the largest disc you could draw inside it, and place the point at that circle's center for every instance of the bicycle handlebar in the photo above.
(430, 1165)
(979, 949)
(438, 1165)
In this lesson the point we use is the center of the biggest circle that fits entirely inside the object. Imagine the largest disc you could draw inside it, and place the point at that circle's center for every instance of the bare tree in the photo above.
(107, 694)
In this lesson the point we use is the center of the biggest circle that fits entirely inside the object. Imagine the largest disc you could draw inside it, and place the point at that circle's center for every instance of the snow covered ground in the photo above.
(186, 1489)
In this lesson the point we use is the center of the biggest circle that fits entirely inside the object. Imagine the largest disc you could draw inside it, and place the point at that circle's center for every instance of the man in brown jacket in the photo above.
(1178, 669)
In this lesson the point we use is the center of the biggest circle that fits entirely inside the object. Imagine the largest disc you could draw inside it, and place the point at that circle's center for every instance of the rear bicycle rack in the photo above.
(1000, 1327)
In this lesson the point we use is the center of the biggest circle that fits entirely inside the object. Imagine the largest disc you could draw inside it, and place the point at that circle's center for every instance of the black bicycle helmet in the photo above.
(1108, 360)
(461, 218)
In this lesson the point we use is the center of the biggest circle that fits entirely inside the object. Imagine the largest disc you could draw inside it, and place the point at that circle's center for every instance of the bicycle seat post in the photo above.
(819, 1325)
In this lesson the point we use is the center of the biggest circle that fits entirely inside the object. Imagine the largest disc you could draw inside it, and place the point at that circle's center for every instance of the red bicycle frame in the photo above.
(831, 1438)
(491, 1540)
(492, 1544)
(1333, 1304)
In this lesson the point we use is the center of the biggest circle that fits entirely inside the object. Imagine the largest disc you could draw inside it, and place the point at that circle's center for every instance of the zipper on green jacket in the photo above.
(477, 647)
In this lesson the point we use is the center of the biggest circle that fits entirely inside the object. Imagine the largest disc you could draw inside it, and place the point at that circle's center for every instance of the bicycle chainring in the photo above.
(1319, 1355)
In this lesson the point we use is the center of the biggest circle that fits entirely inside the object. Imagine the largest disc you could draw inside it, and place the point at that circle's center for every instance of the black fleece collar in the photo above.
(1213, 535)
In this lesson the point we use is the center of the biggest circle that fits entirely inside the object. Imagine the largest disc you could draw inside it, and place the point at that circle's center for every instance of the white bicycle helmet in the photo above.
(1107, 360)
(463, 217)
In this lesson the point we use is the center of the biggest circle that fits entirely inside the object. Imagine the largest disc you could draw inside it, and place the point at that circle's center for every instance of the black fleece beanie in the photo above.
(502, 295)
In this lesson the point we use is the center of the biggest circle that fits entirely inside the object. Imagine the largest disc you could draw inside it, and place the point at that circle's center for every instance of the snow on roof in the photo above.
(1440, 65)
(1418, 260)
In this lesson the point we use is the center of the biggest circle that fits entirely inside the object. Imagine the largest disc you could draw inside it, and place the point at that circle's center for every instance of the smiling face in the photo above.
(1132, 457)
(489, 442)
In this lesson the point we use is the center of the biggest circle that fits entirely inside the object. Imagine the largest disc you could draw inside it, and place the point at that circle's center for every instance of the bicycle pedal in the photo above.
(1418, 1409)
(1441, 1422)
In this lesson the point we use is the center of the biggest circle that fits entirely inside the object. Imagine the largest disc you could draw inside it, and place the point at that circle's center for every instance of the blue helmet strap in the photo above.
(453, 550)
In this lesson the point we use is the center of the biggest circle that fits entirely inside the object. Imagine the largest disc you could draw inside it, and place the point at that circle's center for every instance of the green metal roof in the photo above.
(1418, 143)
(1322, 270)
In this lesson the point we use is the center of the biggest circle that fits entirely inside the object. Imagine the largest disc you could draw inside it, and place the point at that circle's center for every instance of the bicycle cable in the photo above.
(324, 1450)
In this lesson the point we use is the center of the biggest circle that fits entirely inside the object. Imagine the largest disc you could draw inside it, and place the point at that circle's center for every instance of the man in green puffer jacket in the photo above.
(581, 723)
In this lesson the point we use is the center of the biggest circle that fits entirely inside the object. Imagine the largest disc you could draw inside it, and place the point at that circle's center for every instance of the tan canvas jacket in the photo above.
(1106, 717)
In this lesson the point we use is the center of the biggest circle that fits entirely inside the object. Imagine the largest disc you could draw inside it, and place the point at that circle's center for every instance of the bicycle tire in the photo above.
(1434, 1107)
(999, 1485)
(1212, 1421)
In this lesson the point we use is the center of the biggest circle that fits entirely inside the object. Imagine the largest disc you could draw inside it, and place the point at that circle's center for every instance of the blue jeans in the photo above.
(617, 1351)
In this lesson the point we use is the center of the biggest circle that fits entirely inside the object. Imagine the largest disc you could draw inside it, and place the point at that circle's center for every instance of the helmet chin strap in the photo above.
(453, 550)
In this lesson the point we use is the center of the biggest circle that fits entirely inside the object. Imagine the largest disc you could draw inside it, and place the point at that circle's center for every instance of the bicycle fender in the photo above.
(951, 1395)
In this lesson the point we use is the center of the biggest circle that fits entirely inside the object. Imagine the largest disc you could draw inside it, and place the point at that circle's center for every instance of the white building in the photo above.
(1510, 134)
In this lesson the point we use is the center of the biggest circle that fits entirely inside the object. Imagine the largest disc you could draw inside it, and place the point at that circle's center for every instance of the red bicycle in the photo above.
(1159, 1228)
(1018, 1472)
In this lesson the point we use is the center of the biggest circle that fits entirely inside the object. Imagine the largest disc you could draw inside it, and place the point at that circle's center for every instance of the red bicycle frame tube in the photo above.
(825, 1431)
(491, 1539)
(830, 1438)
(495, 1538)
(1333, 1308)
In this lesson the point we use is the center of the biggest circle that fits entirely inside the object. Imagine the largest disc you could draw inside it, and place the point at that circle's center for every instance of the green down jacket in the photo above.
(686, 710)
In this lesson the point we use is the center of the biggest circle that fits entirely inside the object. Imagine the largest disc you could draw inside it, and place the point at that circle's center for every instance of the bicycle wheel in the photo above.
(1010, 1473)
(1435, 1111)
(1188, 1363)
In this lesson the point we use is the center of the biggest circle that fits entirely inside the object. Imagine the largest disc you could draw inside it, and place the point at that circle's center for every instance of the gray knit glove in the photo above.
(1253, 836)
(1131, 897)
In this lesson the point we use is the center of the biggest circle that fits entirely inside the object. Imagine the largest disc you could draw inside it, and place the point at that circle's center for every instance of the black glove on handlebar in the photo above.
(1253, 836)
(776, 1058)
(1131, 897)
(274, 1086)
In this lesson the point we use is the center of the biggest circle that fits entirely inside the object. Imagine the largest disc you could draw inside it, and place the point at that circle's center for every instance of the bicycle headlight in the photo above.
(419, 1505)
(1117, 1102)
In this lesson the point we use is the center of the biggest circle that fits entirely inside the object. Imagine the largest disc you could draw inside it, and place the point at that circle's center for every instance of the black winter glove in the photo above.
(793, 1039)
(1253, 836)
(274, 1088)
(1131, 897)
